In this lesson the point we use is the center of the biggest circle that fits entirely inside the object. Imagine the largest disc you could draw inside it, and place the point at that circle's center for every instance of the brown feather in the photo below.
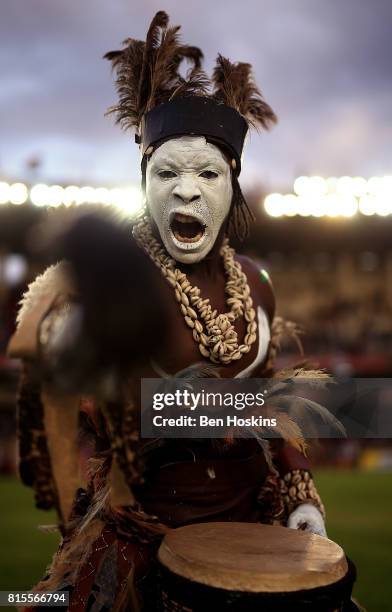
(192, 54)
(197, 84)
(128, 64)
(163, 71)
(234, 85)
(148, 74)
(154, 34)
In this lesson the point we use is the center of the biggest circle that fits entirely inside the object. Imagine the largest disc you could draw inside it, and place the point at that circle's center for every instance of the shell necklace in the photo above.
(214, 333)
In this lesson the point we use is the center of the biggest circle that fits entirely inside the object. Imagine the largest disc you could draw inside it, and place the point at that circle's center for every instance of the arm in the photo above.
(300, 505)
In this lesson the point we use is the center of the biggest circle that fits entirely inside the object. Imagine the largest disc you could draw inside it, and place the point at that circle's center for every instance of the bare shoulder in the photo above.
(260, 284)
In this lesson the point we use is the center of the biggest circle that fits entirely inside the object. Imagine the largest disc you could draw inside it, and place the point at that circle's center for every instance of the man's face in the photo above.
(189, 193)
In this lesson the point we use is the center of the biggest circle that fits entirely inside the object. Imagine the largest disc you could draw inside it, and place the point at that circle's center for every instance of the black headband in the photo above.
(199, 116)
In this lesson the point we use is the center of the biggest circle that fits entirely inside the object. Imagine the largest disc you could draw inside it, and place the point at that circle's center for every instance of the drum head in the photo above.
(252, 557)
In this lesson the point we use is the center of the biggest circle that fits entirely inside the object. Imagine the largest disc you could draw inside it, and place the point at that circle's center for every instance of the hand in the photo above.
(307, 518)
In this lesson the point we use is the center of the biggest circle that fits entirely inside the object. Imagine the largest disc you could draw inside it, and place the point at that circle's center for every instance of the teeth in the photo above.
(184, 218)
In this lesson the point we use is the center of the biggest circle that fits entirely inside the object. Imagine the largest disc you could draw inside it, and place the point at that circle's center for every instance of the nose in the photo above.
(187, 190)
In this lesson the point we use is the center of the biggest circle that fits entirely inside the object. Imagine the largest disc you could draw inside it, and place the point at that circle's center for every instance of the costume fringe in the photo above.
(34, 460)
(53, 280)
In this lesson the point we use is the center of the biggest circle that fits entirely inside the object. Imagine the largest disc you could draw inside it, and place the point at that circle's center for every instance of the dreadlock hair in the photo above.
(240, 216)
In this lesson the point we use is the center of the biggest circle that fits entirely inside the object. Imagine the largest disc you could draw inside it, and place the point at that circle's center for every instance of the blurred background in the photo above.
(320, 187)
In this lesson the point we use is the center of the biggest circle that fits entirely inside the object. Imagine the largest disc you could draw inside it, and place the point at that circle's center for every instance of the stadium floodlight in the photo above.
(387, 183)
(348, 205)
(333, 205)
(274, 205)
(86, 195)
(305, 205)
(290, 207)
(18, 193)
(134, 201)
(310, 186)
(39, 194)
(359, 186)
(383, 206)
(117, 197)
(70, 195)
(102, 195)
(345, 186)
(4, 192)
(317, 186)
(331, 183)
(367, 205)
(301, 185)
(375, 185)
(55, 195)
(319, 207)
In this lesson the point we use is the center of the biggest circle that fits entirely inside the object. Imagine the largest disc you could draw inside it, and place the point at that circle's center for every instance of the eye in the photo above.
(209, 174)
(167, 174)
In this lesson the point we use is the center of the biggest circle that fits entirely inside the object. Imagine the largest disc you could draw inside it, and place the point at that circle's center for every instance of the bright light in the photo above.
(117, 197)
(86, 195)
(359, 186)
(301, 185)
(70, 195)
(102, 195)
(55, 195)
(14, 269)
(383, 206)
(290, 205)
(333, 197)
(319, 207)
(310, 186)
(318, 186)
(134, 201)
(387, 184)
(4, 192)
(348, 206)
(18, 193)
(332, 205)
(39, 195)
(344, 186)
(128, 199)
(305, 206)
(274, 205)
(331, 184)
(374, 185)
(367, 205)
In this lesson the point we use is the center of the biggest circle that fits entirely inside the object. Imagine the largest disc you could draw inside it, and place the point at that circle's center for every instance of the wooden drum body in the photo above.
(248, 567)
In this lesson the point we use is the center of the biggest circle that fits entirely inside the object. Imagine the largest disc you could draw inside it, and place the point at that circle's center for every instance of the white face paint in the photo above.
(189, 193)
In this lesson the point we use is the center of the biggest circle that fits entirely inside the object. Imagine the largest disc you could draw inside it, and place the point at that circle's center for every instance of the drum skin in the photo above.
(248, 567)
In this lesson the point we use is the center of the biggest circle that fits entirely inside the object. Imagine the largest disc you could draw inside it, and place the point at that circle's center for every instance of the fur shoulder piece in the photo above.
(53, 281)
(40, 296)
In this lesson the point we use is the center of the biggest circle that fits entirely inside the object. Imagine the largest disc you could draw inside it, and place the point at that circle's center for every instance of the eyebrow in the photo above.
(167, 161)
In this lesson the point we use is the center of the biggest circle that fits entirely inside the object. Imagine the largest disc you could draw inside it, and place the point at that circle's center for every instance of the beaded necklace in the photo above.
(213, 332)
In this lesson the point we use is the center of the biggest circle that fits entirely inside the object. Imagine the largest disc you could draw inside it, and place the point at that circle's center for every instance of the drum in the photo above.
(248, 567)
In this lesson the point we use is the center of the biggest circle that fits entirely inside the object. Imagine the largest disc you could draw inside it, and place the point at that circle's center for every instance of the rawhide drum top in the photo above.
(249, 566)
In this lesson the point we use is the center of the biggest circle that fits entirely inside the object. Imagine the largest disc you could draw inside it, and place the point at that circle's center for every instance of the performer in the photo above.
(219, 308)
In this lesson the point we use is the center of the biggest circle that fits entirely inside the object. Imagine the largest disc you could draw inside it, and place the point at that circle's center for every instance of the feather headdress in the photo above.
(148, 74)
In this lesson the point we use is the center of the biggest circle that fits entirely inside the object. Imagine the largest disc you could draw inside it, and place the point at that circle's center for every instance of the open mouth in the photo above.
(186, 228)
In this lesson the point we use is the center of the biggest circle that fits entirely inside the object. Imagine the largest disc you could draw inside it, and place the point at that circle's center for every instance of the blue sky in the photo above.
(323, 65)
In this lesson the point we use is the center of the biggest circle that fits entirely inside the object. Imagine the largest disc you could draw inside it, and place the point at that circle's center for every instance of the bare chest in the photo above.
(179, 349)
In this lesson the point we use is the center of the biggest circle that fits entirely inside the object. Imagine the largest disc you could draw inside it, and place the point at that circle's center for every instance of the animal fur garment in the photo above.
(148, 73)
